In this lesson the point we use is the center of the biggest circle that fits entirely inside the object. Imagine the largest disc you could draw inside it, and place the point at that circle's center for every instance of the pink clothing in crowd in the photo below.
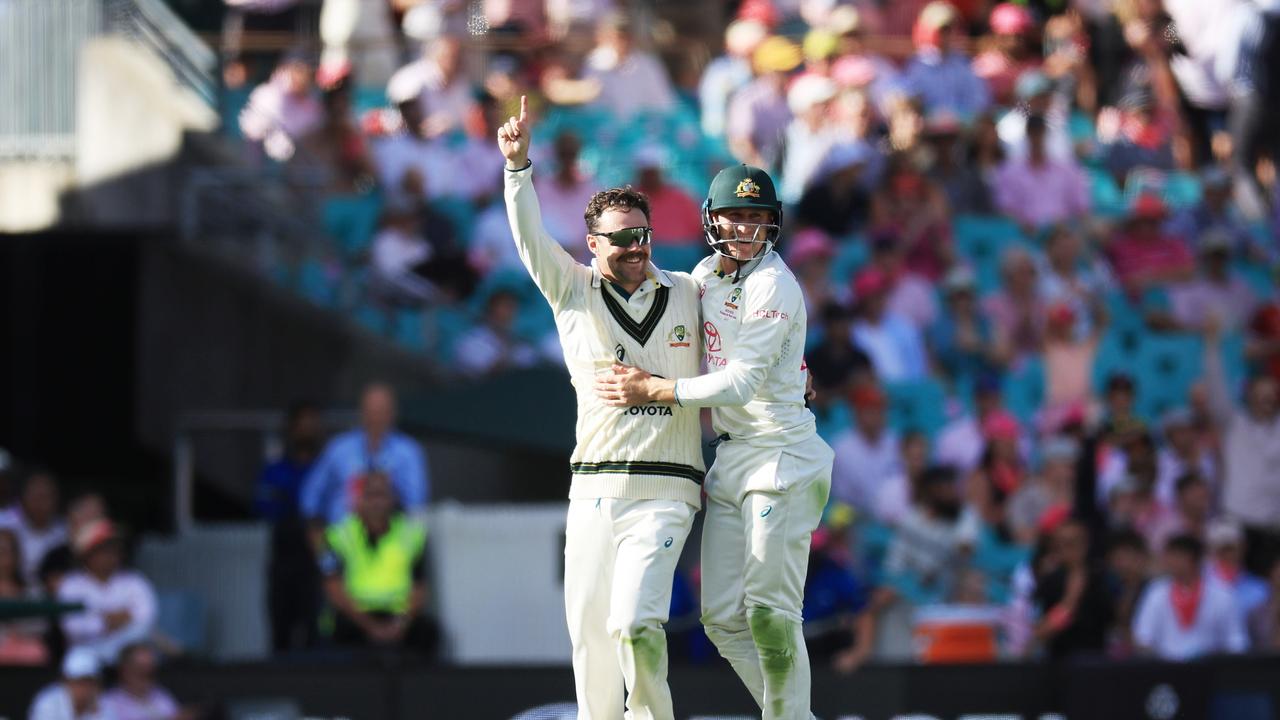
(1135, 258)
(1041, 195)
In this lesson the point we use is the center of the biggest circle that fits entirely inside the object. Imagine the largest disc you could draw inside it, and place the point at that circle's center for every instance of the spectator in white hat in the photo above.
(811, 134)
(75, 695)
(119, 604)
(727, 73)
(1225, 541)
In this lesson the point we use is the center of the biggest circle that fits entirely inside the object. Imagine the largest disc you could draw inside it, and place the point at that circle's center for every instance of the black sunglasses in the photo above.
(626, 236)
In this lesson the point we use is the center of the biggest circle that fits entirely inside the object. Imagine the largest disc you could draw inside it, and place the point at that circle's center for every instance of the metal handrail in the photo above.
(40, 43)
(152, 23)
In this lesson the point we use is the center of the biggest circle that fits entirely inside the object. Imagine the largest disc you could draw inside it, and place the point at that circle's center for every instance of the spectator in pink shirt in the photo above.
(1218, 294)
(915, 209)
(1016, 310)
(1068, 361)
(1143, 254)
(1038, 190)
(758, 113)
(674, 215)
(564, 194)
(910, 294)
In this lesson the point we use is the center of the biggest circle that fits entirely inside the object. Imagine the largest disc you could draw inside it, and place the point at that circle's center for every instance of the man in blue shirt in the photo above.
(328, 493)
(293, 585)
(280, 483)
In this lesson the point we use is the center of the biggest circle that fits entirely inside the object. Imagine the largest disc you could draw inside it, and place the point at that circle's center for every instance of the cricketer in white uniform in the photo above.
(637, 471)
(769, 484)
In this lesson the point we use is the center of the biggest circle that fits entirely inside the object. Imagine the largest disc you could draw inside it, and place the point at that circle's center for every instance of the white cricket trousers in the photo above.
(762, 506)
(619, 560)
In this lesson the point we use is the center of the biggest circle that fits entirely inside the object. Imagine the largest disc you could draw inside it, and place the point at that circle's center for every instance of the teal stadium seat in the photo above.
(1168, 364)
(1107, 198)
(373, 319)
(462, 214)
(1024, 388)
(230, 104)
(1259, 277)
(982, 241)
(851, 256)
(918, 405)
(1111, 359)
(351, 220)
(681, 258)
(834, 419)
(1234, 363)
(1126, 317)
(444, 325)
(369, 97)
(315, 283)
(1181, 190)
(997, 560)
(873, 541)
(410, 329)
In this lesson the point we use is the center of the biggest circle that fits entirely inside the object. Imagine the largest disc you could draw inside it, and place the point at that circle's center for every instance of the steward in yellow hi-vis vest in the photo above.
(374, 565)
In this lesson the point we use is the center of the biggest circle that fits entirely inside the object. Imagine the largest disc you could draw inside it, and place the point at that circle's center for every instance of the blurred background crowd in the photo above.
(1037, 241)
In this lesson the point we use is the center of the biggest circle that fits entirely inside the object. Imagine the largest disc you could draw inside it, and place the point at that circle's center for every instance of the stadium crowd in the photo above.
(1037, 242)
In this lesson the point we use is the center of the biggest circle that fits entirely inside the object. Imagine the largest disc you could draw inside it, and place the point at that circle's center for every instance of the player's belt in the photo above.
(638, 467)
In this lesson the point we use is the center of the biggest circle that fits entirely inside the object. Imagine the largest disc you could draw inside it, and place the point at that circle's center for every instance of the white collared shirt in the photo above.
(754, 334)
(1217, 628)
(644, 452)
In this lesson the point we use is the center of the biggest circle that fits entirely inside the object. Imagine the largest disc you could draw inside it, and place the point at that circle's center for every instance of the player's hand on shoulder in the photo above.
(515, 136)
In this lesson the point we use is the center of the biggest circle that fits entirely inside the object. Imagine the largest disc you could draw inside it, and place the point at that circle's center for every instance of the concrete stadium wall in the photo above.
(213, 337)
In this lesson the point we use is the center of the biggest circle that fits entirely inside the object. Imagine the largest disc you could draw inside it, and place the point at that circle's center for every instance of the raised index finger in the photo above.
(524, 108)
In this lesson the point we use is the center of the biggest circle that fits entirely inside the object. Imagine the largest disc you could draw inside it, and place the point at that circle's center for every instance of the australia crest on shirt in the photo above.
(678, 337)
(730, 309)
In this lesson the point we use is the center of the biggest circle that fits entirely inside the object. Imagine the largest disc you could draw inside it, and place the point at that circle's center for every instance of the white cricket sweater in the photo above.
(754, 333)
(646, 452)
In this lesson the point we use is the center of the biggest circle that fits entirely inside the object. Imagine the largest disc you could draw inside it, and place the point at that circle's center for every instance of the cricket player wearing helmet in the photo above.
(637, 471)
(769, 484)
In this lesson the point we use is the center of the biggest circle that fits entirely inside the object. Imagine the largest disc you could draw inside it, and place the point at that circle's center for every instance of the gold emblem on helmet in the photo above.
(747, 188)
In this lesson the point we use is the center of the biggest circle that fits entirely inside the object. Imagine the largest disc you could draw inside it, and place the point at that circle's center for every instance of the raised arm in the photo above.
(551, 268)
